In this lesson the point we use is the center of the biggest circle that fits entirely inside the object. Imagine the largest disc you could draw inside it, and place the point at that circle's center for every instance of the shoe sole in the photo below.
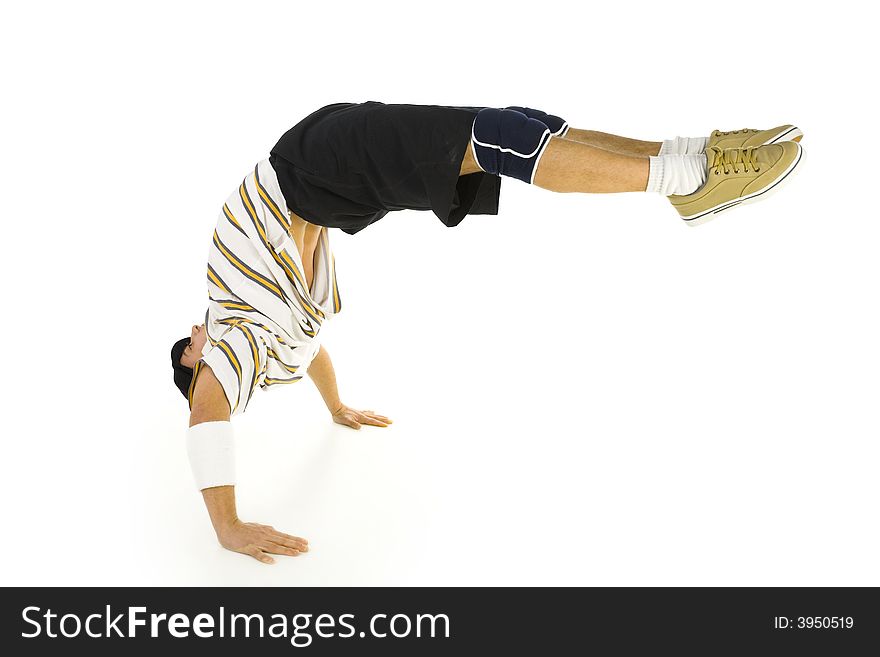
(761, 194)
(792, 134)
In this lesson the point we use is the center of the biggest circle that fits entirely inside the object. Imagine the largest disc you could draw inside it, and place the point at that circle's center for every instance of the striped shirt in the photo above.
(262, 320)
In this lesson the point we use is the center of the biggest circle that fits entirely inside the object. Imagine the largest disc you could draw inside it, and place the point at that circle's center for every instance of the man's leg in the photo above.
(683, 145)
(511, 143)
(468, 164)
(570, 166)
(608, 142)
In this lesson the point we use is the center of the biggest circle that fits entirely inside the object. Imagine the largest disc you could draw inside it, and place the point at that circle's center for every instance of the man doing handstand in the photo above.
(271, 273)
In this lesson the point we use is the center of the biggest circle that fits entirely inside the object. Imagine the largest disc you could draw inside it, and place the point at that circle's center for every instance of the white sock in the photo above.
(684, 146)
(676, 174)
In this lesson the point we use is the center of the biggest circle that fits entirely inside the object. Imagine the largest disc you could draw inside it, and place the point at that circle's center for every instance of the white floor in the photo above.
(709, 423)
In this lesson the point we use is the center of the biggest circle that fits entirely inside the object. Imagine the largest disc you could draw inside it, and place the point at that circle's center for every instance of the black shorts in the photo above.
(348, 164)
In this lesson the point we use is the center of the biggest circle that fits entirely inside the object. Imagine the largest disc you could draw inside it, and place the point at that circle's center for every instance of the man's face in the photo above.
(193, 352)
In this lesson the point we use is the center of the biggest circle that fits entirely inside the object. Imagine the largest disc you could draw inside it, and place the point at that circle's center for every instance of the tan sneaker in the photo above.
(748, 137)
(737, 176)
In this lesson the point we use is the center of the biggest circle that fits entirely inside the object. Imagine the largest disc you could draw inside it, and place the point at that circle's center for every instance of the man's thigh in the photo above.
(468, 163)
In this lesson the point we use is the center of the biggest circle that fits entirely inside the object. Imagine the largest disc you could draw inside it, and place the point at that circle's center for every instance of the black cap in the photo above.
(182, 374)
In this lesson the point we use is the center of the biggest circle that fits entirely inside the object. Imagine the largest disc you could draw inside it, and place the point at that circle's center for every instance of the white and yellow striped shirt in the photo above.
(262, 320)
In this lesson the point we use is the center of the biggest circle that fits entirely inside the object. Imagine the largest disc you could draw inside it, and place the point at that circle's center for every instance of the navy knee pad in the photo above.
(558, 127)
(509, 143)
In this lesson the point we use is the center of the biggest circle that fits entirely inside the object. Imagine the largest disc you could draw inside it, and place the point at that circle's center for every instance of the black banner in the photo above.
(407, 621)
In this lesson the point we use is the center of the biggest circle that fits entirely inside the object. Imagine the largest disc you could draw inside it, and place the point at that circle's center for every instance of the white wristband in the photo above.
(211, 450)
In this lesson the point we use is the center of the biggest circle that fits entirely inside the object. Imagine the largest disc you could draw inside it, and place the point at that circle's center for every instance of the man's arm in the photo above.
(259, 541)
(322, 373)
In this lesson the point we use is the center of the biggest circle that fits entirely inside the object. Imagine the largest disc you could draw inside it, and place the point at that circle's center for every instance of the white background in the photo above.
(584, 390)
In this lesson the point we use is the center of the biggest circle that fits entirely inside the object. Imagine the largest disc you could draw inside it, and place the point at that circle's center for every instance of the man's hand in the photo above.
(321, 372)
(354, 419)
(259, 541)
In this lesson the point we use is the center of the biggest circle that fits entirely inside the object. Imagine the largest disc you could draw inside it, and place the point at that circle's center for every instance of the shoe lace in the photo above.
(745, 131)
(732, 158)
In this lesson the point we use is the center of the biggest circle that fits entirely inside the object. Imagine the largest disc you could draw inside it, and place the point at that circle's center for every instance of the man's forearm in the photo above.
(220, 502)
(322, 373)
